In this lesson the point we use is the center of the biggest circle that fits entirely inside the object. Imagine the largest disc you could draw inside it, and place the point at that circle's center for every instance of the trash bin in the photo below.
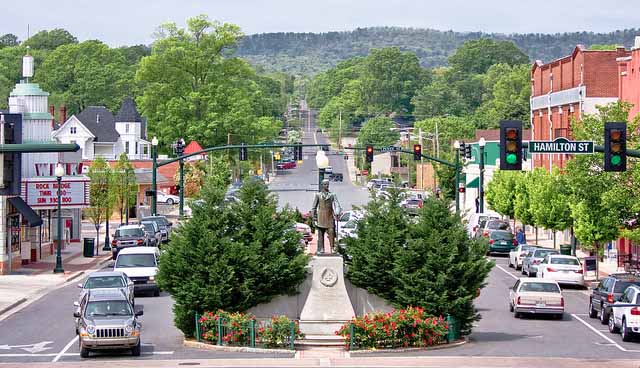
(88, 249)
(565, 249)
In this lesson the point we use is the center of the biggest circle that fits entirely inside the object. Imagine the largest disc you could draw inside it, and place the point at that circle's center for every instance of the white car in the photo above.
(536, 296)
(477, 220)
(625, 314)
(346, 216)
(140, 264)
(561, 268)
(348, 230)
(517, 254)
(169, 199)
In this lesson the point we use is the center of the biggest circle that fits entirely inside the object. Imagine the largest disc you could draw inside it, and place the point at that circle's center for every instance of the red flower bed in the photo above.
(411, 327)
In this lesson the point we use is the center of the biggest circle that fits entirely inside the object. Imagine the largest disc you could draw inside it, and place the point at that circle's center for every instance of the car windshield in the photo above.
(345, 217)
(540, 287)
(622, 285)
(414, 202)
(350, 225)
(161, 221)
(501, 235)
(104, 282)
(129, 232)
(497, 225)
(526, 248)
(148, 226)
(543, 253)
(565, 261)
(103, 308)
(135, 260)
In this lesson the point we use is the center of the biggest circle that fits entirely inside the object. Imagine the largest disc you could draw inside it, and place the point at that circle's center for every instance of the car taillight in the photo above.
(610, 298)
(475, 228)
(419, 204)
(635, 311)
(140, 241)
(491, 241)
(549, 269)
(485, 233)
(114, 242)
(518, 300)
(536, 261)
(514, 241)
(579, 271)
(561, 301)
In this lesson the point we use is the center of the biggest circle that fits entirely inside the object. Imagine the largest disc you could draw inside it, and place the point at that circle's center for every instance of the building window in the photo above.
(73, 130)
(136, 148)
(126, 128)
(126, 147)
(145, 150)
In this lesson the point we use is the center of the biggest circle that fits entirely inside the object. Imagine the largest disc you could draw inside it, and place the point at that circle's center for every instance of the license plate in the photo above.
(541, 305)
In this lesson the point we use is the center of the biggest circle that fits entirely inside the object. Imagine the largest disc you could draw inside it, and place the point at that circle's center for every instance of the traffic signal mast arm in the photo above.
(38, 147)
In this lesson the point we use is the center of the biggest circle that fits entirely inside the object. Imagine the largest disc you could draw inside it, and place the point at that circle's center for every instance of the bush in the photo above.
(431, 263)
(278, 332)
(411, 327)
(236, 327)
(231, 256)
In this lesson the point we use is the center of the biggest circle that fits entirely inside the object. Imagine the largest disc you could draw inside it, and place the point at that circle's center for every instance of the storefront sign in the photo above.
(561, 145)
(45, 193)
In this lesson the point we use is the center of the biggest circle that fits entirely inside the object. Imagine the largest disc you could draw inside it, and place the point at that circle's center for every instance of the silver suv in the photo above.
(107, 320)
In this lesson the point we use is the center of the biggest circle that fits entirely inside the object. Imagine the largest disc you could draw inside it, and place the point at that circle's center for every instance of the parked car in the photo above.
(336, 177)
(286, 165)
(517, 255)
(501, 241)
(477, 220)
(536, 296)
(376, 183)
(491, 225)
(153, 233)
(108, 280)
(106, 320)
(349, 215)
(140, 264)
(164, 225)
(625, 314)
(412, 206)
(169, 199)
(564, 269)
(349, 229)
(305, 230)
(127, 236)
(607, 292)
(532, 260)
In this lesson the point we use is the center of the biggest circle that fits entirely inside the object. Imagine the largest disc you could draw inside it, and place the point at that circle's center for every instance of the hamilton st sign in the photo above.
(561, 145)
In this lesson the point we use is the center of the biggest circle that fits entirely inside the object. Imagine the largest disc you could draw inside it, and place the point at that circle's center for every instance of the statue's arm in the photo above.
(314, 207)
(337, 209)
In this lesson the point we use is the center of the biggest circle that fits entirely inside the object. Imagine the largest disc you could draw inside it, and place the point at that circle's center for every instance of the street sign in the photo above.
(561, 145)
(390, 149)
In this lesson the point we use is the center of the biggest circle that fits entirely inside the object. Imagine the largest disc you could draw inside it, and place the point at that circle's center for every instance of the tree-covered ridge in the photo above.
(310, 53)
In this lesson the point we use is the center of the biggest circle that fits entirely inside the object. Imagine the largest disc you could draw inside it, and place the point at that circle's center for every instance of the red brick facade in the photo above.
(629, 79)
(567, 88)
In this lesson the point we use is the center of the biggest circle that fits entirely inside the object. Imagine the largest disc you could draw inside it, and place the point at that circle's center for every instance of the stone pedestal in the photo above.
(328, 305)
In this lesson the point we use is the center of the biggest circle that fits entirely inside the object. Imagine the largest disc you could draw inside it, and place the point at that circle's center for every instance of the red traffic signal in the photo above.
(417, 152)
(369, 154)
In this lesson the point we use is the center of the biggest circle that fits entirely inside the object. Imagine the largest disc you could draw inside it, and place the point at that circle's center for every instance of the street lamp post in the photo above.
(481, 144)
(154, 189)
(456, 146)
(322, 161)
(59, 172)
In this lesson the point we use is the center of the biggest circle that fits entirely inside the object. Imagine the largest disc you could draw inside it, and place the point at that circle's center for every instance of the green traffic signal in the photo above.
(512, 158)
(616, 160)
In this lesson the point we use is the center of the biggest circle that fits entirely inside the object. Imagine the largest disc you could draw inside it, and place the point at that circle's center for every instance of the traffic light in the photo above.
(11, 162)
(510, 145)
(615, 147)
(243, 153)
(298, 152)
(467, 151)
(369, 153)
(417, 152)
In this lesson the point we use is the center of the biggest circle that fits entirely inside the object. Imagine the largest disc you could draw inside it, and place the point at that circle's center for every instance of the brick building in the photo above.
(629, 78)
(568, 88)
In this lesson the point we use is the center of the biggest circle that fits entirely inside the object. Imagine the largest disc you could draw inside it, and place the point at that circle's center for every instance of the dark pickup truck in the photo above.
(128, 236)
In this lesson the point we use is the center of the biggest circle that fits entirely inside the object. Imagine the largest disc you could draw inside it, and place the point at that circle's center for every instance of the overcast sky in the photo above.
(129, 22)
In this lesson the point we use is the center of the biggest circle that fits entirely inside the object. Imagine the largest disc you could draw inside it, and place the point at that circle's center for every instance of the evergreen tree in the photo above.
(231, 257)
(441, 269)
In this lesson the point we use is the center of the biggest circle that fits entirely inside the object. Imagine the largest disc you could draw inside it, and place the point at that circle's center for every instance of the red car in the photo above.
(286, 165)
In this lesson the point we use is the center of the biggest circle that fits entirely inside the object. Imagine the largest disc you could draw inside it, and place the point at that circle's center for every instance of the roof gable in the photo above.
(100, 122)
(128, 112)
(192, 147)
(72, 121)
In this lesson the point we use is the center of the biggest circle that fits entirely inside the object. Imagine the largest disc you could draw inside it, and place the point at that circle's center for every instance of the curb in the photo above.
(12, 305)
(452, 345)
(240, 349)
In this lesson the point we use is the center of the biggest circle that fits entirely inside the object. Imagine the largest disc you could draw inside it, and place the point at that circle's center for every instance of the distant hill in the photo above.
(310, 53)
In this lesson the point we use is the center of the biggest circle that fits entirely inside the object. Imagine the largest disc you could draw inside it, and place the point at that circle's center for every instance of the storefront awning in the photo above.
(29, 214)
(475, 183)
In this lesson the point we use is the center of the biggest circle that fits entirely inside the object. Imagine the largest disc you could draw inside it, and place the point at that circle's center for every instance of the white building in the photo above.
(100, 134)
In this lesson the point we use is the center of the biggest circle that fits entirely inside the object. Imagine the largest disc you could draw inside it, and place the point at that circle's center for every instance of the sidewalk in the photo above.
(34, 280)
(351, 163)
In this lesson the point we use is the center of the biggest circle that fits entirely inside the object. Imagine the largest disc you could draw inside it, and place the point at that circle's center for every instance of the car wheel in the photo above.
(510, 307)
(522, 270)
(517, 315)
(559, 316)
(626, 335)
(510, 264)
(84, 352)
(170, 201)
(592, 312)
(135, 351)
(612, 325)
(604, 316)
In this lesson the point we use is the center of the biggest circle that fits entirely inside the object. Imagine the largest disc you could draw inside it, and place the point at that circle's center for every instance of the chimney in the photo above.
(63, 114)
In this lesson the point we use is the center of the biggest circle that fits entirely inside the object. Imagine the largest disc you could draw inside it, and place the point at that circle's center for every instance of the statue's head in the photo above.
(325, 185)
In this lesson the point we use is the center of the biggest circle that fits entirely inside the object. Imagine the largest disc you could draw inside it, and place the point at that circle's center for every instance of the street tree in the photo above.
(477, 56)
(501, 192)
(8, 40)
(101, 195)
(378, 132)
(449, 129)
(550, 201)
(125, 187)
(50, 40)
(522, 201)
(231, 256)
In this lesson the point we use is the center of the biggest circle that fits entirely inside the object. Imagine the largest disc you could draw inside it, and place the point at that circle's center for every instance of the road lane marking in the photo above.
(507, 272)
(598, 332)
(64, 350)
(22, 355)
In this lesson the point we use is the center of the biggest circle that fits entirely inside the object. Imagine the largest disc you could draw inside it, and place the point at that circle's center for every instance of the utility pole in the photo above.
(421, 161)
(339, 130)
(437, 145)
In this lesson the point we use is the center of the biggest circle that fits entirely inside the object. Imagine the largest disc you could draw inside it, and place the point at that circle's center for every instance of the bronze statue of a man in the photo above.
(325, 210)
